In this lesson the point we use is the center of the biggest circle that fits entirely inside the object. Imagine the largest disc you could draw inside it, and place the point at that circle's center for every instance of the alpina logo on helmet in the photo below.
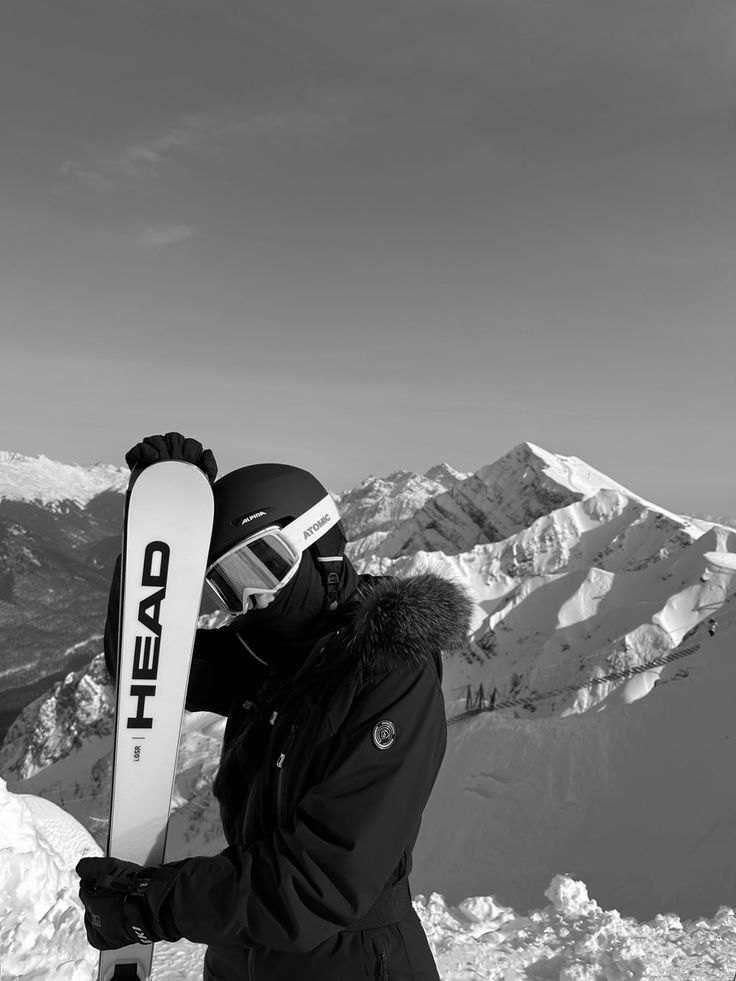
(250, 517)
(317, 525)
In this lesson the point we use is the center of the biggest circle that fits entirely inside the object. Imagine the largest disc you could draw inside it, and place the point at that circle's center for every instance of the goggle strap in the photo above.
(310, 526)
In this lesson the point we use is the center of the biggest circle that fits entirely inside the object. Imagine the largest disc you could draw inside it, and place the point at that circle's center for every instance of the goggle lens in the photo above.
(260, 565)
(269, 559)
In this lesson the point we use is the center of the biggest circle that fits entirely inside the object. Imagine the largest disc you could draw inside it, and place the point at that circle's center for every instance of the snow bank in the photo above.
(41, 928)
(573, 939)
(42, 936)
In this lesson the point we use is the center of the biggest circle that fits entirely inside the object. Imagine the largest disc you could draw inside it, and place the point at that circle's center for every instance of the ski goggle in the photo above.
(268, 559)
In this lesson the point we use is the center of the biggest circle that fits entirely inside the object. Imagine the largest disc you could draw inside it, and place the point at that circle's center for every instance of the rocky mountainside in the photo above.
(60, 747)
(72, 712)
(54, 577)
(378, 504)
(59, 534)
(496, 502)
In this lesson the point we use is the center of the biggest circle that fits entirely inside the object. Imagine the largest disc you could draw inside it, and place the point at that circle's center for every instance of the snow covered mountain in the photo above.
(52, 484)
(498, 501)
(55, 565)
(378, 504)
(74, 712)
(598, 579)
(561, 608)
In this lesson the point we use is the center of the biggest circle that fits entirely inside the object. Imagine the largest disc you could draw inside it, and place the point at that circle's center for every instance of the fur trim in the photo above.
(408, 620)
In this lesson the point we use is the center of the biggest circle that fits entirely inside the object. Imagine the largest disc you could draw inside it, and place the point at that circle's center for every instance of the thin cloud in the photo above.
(194, 134)
(160, 236)
(88, 177)
(143, 159)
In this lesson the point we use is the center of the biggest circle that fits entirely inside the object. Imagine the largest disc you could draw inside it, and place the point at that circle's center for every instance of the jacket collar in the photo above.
(390, 622)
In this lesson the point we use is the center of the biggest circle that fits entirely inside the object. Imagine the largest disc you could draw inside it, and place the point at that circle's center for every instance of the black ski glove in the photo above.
(124, 902)
(172, 446)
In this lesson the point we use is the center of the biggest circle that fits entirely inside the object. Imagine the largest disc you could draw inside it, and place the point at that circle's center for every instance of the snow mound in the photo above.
(42, 936)
(573, 939)
(41, 919)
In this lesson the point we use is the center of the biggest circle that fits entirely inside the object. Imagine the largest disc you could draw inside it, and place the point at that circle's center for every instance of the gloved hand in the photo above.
(172, 446)
(123, 902)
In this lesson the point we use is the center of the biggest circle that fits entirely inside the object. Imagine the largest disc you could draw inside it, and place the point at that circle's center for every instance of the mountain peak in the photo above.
(527, 462)
(446, 475)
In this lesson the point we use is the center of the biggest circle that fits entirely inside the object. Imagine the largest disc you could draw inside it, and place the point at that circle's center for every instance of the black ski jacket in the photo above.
(323, 779)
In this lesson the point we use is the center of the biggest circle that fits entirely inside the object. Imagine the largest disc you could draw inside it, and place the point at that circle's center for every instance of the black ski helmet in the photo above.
(252, 498)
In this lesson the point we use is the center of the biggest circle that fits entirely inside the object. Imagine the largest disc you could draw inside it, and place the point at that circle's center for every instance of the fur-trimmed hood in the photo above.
(395, 621)
(385, 622)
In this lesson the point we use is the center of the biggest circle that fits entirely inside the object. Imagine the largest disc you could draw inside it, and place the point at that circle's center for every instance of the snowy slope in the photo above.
(636, 799)
(568, 627)
(48, 482)
(570, 938)
(592, 586)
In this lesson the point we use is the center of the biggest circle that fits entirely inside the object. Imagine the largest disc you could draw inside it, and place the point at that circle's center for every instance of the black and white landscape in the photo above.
(589, 714)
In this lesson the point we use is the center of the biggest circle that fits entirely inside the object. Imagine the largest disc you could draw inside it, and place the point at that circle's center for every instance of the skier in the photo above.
(330, 682)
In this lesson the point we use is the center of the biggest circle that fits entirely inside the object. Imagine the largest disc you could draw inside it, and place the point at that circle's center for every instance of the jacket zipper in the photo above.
(249, 805)
(281, 779)
(382, 966)
(250, 966)
(251, 797)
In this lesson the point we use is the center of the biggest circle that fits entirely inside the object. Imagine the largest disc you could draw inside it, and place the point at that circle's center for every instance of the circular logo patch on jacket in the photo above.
(384, 734)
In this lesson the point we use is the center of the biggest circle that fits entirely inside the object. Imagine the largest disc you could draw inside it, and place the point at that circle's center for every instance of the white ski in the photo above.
(168, 525)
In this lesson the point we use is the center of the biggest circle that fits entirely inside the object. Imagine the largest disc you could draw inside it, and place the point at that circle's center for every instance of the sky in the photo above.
(367, 237)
